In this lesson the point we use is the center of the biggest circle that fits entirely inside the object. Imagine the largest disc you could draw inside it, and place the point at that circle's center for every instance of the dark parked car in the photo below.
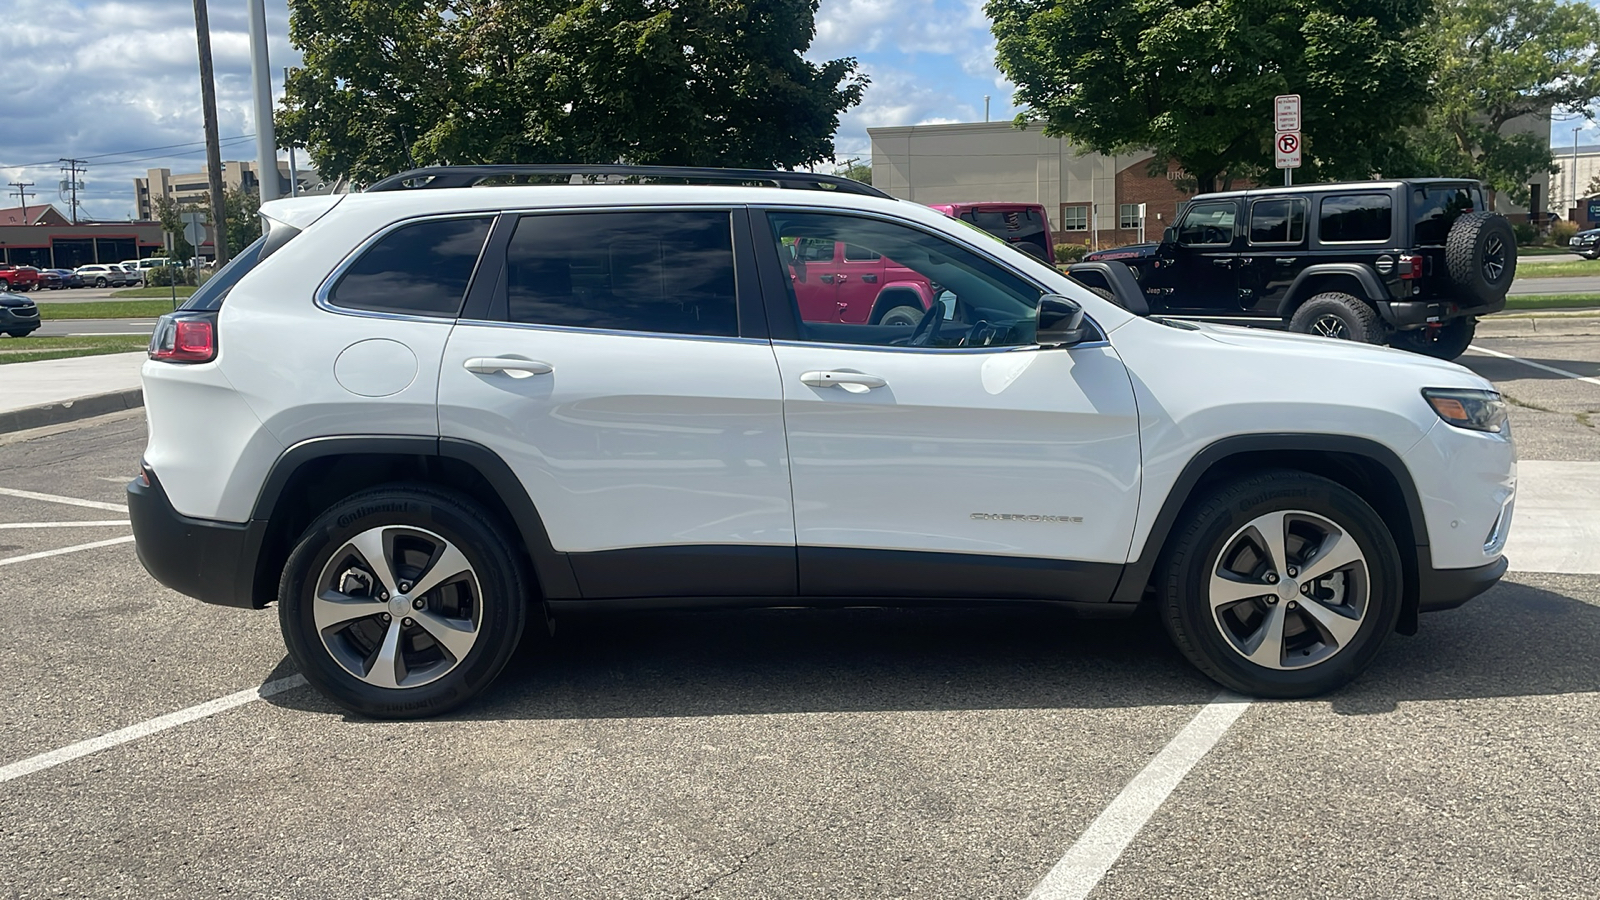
(56, 279)
(19, 316)
(1411, 263)
(1586, 243)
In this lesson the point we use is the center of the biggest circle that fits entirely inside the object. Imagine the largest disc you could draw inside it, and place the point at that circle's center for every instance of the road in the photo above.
(49, 327)
(1583, 284)
(830, 754)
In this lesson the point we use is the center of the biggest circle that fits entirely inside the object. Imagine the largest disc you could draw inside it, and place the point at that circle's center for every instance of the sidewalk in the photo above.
(35, 394)
(1543, 322)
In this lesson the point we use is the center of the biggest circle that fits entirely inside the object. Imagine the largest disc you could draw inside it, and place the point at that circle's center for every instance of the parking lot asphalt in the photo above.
(785, 753)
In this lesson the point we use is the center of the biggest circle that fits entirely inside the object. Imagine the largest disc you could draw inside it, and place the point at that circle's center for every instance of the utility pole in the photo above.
(23, 194)
(261, 75)
(71, 168)
(294, 177)
(208, 105)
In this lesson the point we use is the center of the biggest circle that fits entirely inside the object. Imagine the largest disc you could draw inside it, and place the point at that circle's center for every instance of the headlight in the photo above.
(1476, 410)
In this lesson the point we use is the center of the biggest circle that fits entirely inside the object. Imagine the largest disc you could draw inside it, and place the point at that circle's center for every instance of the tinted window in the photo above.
(852, 253)
(1436, 209)
(1355, 217)
(1023, 227)
(420, 269)
(976, 303)
(666, 272)
(1208, 223)
(1278, 221)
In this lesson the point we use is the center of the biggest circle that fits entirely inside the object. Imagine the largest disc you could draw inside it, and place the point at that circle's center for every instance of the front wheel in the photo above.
(1446, 341)
(402, 602)
(1283, 584)
(902, 315)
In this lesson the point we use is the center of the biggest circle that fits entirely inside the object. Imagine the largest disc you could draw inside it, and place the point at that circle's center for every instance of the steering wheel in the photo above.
(1214, 235)
(982, 334)
(928, 326)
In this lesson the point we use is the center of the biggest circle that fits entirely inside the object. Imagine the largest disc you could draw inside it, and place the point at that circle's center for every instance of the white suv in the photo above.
(420, 416)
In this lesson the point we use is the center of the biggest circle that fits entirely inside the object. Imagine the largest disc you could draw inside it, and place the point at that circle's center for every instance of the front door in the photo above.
(955, 458)
(1203, 276)
(607, 369)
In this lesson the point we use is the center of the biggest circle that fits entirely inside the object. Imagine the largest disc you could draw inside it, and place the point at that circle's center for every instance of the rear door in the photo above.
(1275, 252)
(616, 361)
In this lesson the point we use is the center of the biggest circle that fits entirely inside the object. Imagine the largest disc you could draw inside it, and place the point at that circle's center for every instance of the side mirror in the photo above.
(1060, 322)
(1170, 235)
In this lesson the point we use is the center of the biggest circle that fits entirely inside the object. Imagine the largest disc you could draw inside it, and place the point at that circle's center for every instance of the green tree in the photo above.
(242, 211)
(856, 170)
(390, 85)
(1194, 80)
(169, 213)
(1499, 61)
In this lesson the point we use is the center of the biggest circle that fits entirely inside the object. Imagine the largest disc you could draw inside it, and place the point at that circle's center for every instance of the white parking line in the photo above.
(1528, 362)
(1088, 860)
(43, 554)
(146, 728)
(57, 498)
(100, 524)
(107, 334)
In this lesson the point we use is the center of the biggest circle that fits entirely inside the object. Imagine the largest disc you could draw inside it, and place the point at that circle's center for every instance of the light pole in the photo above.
(1575, 130)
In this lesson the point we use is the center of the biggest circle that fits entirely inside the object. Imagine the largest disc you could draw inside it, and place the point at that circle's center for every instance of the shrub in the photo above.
(1070, 253)
(1562, 230)
(1526, 234)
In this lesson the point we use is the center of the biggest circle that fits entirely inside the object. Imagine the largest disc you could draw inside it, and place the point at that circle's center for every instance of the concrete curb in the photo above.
(70, 410)
(1513, 325)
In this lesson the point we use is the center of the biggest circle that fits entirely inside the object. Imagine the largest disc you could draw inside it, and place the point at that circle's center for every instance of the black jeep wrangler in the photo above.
(1410, 262)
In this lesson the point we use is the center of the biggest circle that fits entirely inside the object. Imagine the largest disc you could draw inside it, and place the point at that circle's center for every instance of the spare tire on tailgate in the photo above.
(1480, 254)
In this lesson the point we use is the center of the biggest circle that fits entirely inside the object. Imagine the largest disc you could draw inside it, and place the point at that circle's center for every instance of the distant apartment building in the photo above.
(193, 188)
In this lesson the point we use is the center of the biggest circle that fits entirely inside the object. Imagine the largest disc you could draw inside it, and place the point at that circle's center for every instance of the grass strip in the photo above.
(105, 309)
(33, 349)
(1553, 301)
(136, 293)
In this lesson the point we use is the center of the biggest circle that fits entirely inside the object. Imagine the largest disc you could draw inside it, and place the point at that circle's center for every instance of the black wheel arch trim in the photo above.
(552, 569)
(1371, 287)
(1416, 564)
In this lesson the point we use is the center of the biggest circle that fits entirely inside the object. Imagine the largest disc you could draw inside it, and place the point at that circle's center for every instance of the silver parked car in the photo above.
(107, 276)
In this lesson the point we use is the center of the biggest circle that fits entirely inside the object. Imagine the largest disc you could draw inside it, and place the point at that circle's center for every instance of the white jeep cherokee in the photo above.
(420, 416)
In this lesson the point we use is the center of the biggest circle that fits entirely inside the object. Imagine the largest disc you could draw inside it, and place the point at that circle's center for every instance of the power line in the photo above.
(23, 194)
(71, 168)
(51, 162)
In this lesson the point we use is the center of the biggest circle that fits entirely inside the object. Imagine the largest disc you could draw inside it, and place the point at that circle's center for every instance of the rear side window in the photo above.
(420, 269)
(666, 272)
(1348, 218)
(1278, 221)
(1022, 227)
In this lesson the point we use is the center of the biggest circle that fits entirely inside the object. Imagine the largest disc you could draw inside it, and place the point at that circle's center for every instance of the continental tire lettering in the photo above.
(1258, 499)
(1020, 517)
(362, 512)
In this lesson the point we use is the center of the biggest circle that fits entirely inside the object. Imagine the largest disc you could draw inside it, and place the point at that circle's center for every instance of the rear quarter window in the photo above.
(1355, 218)
(420, 269)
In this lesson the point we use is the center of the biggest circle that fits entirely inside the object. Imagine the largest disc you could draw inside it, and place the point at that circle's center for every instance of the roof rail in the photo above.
(467, 176)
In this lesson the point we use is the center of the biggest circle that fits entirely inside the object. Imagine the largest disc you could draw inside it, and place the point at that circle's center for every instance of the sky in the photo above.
(116, 82)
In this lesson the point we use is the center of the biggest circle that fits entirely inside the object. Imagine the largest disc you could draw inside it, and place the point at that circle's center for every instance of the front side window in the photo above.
(1208, 224)
(1352, 218)
(661, 272)
(421, 269)
(1281, 221)
(940, 295)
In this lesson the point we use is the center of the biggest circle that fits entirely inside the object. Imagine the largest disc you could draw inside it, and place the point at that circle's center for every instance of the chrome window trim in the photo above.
(949, 351)
(980, 251)
(323, 296)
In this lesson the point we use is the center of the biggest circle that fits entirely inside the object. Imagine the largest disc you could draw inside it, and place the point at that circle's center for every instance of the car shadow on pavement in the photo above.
(1499, 370)
(1516, 640)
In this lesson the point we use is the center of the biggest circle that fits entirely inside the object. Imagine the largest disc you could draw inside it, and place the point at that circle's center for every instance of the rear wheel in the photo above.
(902, 315)
(99, 282)
(1338, 315)
(1280, 585)
(402, 602)
(1446, 341)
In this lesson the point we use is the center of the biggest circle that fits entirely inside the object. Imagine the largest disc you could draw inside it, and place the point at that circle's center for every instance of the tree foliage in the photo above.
(391, 84)
(1194, 80)
(169, 213)
(241, 210)
(1500, 61)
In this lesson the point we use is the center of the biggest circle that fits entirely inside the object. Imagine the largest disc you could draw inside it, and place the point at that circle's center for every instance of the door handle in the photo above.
(827, 279)
(1285, 260)
(1222, 263)
(870, 279)
(488, 365)
(854, 382)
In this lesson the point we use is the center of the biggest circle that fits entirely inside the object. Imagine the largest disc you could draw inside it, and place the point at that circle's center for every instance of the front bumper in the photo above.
(13, 318)
(1449, 588)
(210, 561)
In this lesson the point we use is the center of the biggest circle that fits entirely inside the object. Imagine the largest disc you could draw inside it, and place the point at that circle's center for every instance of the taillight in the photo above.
(1411, 266)
(185, 337)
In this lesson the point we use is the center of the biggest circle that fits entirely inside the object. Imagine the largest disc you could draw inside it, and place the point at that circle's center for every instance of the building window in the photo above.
(1128, 215)
(1075, 218)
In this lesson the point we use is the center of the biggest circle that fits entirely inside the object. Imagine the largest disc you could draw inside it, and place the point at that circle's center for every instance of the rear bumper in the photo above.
(210, 561)
(1449, 588)
(1416, 313)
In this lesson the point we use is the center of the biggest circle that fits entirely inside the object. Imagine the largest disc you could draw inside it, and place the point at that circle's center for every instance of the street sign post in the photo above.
(1286, 134)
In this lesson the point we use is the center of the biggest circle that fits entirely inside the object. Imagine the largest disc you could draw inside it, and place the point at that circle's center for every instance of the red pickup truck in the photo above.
(18, 278)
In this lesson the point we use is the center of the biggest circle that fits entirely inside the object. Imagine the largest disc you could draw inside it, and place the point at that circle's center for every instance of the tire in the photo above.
(1231, 640)
(344, 658)
(99, 282)
(1445, 342)
(902, 315)
(1480, 253)
(1338, 315)
(22, 334)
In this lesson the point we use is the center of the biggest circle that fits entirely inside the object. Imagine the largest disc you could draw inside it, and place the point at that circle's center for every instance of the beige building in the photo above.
(1569, 187)
(193, 189)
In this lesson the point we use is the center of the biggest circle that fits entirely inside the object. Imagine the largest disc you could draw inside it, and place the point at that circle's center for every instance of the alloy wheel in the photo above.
(1494, 259)
(398, 607)
(1332, 326)
(1289, 590)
